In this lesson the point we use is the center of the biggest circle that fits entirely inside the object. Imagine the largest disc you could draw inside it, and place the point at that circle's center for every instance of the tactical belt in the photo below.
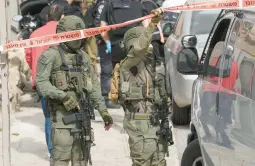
(138, 116)
(75, 69)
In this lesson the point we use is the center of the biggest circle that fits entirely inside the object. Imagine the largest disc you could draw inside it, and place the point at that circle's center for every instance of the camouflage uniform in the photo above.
(140, 90)
(57, 68)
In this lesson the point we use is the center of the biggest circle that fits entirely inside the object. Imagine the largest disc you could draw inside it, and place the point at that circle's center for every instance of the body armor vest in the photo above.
(71, 72)
(137, 88)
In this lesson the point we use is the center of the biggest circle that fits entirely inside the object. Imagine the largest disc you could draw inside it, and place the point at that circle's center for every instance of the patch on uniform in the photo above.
(100, 8)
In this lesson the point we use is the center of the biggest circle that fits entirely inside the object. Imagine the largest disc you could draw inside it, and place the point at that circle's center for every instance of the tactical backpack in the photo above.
(90, 15)
(120, 11)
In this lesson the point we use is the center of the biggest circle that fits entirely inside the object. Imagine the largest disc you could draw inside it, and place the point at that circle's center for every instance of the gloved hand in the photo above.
(70, 103)
(107, 119)
(158, 13)
(108, 47)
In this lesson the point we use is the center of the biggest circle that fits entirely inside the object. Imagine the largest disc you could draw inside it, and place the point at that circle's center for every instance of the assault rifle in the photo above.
(166, 134)
(83, 117)
(165, 131)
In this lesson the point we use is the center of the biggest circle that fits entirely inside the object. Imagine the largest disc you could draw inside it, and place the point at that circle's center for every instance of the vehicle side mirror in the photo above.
(167, 29)
(17, 18)
(187, 61)
(189, 41)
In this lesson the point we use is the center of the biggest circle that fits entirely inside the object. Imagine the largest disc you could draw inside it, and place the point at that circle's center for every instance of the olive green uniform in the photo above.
(91, 44)
(55, 83)
(140, 89)
(91, 48)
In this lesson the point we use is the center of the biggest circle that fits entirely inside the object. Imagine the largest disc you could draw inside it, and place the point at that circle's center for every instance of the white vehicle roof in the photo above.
(171, 3)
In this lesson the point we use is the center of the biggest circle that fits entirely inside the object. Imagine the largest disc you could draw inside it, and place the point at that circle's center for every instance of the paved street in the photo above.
(180, 135)
(28, 145)
(28, 141)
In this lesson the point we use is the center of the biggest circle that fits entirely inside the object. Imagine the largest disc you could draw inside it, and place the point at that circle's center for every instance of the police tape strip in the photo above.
(65, 36)
(80, 34)
(207, 5)
(248, 3)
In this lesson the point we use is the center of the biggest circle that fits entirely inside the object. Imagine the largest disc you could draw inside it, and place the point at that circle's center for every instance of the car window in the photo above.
(179, 25)
(245, 75)
(170, 16)
(202, 21)
(243, 40)
(215, 51)
(167, 28)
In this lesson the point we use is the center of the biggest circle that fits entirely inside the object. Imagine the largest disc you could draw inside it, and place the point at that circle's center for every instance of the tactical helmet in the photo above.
(71, 23)
(130, 36)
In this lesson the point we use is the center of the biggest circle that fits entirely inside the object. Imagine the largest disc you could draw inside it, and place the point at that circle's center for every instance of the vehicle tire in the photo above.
(181, 116)
(192, 154)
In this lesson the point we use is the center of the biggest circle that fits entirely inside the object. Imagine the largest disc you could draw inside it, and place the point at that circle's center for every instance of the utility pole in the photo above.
(5, 32)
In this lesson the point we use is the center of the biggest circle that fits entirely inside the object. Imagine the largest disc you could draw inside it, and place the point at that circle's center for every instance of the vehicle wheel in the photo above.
(181, 116)
(192, 155)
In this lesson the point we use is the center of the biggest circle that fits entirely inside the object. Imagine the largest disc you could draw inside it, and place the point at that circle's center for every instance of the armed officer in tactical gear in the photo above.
(64, 74)
(140, 94)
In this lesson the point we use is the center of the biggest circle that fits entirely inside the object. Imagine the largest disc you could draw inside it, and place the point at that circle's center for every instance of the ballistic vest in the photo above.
(137, 91)
(72, 73)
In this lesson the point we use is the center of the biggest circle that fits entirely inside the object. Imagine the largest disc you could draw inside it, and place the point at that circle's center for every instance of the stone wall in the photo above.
(19, 77)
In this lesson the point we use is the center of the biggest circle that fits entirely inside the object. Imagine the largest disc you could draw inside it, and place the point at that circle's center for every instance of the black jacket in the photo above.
(73, 10)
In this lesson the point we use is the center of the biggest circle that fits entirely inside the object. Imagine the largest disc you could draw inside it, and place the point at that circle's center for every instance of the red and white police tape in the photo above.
(85, 33)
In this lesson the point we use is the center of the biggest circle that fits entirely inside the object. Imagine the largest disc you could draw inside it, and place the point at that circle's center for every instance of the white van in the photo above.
(179, 86)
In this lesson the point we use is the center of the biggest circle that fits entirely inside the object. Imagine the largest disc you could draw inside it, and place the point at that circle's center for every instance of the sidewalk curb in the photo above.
(174, 137)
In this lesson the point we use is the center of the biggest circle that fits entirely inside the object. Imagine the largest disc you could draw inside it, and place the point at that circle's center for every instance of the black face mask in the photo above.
(73, 46)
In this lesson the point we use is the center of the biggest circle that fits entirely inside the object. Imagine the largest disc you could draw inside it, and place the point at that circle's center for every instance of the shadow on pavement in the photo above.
(29, 145)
